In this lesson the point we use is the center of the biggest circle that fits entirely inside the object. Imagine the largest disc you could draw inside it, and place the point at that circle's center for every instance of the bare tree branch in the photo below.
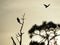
(40, 35)
(54, 36)
(14, 43)
(21, 30)
(22, 23)
(17, 39)
(19, 34)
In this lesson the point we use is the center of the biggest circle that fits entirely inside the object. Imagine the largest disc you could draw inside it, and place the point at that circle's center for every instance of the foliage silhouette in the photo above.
(47, 28)
(58, 25)
(35, 27)
(36, 43)
(51, 25)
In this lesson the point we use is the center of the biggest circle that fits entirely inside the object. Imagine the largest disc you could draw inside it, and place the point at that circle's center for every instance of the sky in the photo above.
(35, 13)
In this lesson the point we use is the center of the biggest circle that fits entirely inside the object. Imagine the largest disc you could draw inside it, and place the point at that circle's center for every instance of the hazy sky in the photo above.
(35, 12)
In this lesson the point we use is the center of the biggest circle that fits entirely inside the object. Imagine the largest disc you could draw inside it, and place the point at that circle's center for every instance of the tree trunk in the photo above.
(47, 39)
(48, 42)
(55, 42)
(21, 39)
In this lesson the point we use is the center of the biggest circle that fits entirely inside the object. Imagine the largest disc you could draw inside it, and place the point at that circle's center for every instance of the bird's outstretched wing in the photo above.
(45, 5)
(48, 4)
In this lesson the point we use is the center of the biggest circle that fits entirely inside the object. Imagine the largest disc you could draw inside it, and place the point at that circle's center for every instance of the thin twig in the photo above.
(40, 35)
(21, 30)
(17, 39)
(13, 41)
(55, 36)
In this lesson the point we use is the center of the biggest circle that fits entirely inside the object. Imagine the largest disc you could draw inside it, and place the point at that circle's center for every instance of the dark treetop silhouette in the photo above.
(19, 34)
(47, 27)
(36, 43)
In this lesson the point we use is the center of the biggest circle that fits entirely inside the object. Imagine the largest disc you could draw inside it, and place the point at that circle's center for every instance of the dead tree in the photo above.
(20, 34)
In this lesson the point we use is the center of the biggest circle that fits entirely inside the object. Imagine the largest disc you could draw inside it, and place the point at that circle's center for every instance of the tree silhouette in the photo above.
(36, 43)
(47, 28)
(19, 34)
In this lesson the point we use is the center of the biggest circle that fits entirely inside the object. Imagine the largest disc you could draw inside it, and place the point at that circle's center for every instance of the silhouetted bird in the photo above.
(46, 5)
(18, 20)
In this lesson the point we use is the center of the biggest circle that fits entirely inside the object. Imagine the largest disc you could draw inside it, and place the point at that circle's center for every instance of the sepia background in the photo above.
(35, 13)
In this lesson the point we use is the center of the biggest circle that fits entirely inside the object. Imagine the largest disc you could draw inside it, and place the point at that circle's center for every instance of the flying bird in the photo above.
(46, 5)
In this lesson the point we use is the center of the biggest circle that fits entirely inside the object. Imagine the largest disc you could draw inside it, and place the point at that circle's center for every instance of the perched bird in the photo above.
(18, 20)
(46, 5)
